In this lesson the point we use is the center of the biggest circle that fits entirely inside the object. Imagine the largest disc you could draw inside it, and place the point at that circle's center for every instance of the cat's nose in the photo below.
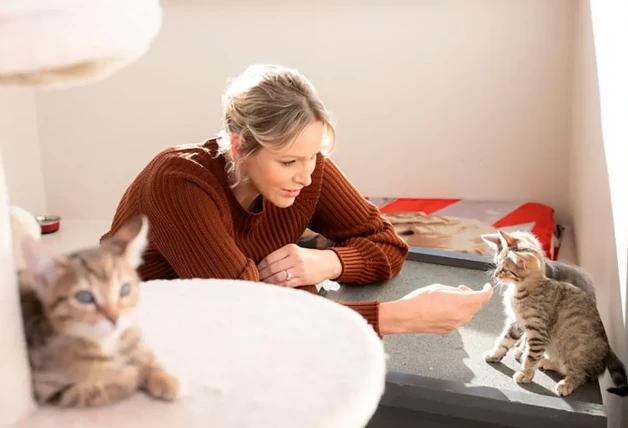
(111, 315)
(113, 318)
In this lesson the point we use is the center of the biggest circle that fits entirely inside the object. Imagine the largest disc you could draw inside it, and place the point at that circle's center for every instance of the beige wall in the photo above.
(19, 142)
(448, 98)
(590, 196)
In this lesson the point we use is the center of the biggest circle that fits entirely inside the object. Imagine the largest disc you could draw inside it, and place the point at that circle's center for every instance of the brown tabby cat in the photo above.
(84, 348)
(561, 323)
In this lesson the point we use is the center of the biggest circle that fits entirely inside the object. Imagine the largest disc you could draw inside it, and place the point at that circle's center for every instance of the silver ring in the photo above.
(288, 275)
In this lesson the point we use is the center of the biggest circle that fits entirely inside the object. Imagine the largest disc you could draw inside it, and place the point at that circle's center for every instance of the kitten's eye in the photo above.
(125, 289)
(84, 296)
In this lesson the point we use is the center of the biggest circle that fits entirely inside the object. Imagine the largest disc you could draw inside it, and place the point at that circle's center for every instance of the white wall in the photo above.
(590, 197)
(439, 99)
(19, 142)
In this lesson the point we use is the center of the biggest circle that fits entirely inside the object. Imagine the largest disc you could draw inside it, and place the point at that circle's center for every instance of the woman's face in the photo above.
(279, 176)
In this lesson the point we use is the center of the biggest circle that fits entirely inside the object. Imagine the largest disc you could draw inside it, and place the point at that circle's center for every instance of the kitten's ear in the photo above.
(493, 239)
(508, 239)
(44, 263)
(524, 260)
(133, 235)
(518, 260)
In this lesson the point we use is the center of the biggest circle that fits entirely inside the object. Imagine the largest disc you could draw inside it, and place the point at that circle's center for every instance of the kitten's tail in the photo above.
(618, 374)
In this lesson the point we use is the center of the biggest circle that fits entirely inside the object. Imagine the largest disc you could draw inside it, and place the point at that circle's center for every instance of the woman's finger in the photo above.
(277, 267)
(281, 277)
(273, 257)
(293, 282)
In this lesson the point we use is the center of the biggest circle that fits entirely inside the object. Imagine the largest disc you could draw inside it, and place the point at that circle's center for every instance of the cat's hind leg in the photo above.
(571, 381)
(509, 337)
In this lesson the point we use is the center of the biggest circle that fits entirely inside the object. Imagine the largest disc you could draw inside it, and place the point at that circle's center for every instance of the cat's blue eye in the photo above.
(125, 289)
(84, 296)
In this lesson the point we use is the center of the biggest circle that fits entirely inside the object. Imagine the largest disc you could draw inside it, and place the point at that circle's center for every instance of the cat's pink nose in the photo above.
(112, 315)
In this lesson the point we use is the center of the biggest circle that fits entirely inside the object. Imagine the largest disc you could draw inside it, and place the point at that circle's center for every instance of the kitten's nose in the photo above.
(112, 315)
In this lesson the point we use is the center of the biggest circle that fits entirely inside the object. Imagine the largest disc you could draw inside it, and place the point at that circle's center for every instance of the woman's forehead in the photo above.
(308, 143)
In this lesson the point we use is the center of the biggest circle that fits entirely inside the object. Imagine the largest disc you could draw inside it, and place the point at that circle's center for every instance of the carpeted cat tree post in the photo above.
(248, 354)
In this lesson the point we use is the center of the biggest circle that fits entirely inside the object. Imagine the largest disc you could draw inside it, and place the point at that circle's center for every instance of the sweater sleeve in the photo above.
(190, 231)
(368, 246)
(369, 310)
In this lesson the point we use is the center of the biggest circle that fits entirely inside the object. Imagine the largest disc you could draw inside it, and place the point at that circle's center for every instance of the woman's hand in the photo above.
(433, 309)
(294, 266)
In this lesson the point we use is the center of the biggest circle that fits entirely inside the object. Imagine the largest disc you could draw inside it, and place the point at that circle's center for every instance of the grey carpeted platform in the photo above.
(457, 356)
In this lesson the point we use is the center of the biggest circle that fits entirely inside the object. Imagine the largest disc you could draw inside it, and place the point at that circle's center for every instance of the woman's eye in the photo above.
(287, 163)
(84, 296)
(125, 289)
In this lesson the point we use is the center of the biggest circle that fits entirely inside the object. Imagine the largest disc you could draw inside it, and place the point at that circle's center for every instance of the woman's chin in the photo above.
(282, 201)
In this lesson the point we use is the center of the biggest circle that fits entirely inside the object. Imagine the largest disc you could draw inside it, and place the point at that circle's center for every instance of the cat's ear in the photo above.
(42, 262)
(507, 239)
(524, 260)
(518, 260)
(133, 235)
(494, 240)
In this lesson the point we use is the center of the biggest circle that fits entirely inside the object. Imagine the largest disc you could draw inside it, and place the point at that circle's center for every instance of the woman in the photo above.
(234, 206)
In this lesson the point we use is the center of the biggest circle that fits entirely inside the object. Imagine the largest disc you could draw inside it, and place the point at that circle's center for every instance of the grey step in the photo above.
(431, 368)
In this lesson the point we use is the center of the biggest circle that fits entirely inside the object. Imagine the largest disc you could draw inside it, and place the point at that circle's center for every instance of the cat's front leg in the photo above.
(511, 334)
(537, 342)
(161, 384)
(154, 379)
(102, 387)
(520, 348)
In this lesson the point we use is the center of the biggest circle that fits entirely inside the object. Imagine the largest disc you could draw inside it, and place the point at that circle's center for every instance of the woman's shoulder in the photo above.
(200, 158)
(196, 164)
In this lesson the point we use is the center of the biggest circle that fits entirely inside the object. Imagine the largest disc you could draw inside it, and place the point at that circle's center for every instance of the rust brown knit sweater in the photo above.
(199, 230)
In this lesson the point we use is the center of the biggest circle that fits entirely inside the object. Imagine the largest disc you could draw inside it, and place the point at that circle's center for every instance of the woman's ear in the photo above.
(235, 145)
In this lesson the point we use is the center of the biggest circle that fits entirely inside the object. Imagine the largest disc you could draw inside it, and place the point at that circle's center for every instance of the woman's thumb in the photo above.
(487, 290)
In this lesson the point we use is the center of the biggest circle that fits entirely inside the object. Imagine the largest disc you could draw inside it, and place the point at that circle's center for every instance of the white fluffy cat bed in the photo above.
(248, 354)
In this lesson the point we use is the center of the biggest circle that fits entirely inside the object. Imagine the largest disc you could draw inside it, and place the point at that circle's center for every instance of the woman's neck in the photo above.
(246, 195)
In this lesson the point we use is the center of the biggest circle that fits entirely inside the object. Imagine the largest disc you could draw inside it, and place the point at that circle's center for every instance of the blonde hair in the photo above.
(269, 106)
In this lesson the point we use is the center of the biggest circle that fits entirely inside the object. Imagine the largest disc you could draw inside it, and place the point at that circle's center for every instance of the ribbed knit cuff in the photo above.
(369, 310)
(352, 264)
(310, 288)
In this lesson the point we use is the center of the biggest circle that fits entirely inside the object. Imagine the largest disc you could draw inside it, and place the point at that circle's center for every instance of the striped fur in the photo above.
(556, 323)
(84, 348)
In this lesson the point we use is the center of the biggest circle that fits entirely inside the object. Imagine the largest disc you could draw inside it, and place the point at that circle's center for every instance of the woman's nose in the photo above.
(304, 178)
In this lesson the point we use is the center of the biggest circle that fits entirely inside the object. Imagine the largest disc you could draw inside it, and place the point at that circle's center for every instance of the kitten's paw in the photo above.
(522, 377)
(493, 356)
(162, 385)
(102, 391)
(564, 388)
(84, 395)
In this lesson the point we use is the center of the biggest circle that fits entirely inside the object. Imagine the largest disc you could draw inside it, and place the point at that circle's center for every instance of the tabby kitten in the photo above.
(554, 269)
(84, 348)
(561, 323)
